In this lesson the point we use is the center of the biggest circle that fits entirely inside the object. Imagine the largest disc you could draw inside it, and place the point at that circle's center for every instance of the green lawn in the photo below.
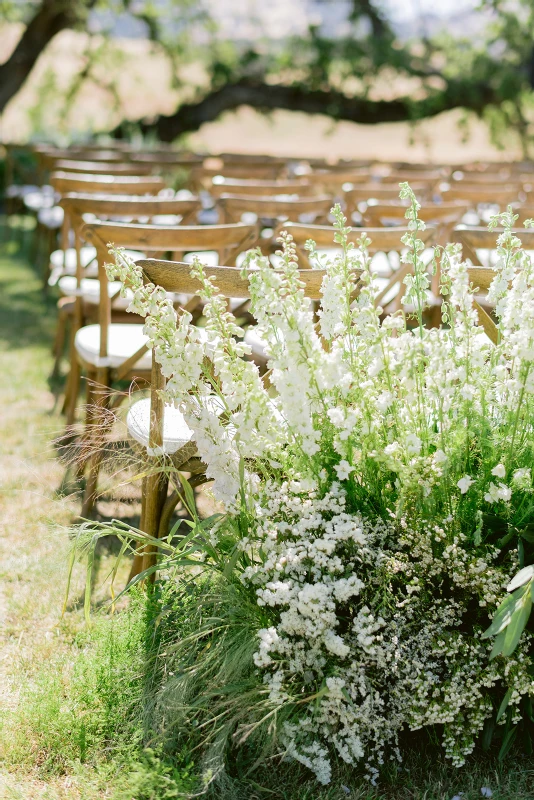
(70, 697)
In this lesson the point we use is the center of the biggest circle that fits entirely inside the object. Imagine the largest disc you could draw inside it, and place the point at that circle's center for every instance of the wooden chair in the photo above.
(146, 425)
(362, 194)
(474, 240)
(79, 285)
(383, 240)
(109, 352)
(268, 209)
(443, 216)
(65, 183)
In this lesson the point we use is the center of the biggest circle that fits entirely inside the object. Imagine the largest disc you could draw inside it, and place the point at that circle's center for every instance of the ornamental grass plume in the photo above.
(378, 497)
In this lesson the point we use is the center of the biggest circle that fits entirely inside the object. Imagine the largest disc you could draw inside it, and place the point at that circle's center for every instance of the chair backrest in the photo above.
(333, 180)
(377, 191)
(498, 193)
(103, 167)
(475, 239)
(203, 175)
(142, 208)
(444, 216)
(64, 182)
(228, 240)
(232, 207)
(257, 188)
(383, 240)
(176, 277)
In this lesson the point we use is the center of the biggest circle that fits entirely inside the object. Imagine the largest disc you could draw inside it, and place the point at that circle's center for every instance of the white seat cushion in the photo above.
(123, 341)
(88, 259)
(90, 291)
(176, 432)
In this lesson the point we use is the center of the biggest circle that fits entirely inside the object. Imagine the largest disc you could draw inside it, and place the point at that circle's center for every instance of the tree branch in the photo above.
(265, 97)
(51, 17)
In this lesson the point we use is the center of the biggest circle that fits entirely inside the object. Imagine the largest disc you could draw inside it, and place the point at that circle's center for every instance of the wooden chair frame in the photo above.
(228, 240)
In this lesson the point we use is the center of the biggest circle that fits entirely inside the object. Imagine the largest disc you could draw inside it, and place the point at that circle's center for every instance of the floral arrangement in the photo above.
(377, 490)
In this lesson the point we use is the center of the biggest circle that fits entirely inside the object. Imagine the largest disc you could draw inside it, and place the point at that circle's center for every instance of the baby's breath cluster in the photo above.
(378, 487)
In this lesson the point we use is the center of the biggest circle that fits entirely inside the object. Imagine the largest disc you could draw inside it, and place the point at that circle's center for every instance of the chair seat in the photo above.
(64, 262)
(177, 435)
(90, 291)
(176, 432)
(123, 341)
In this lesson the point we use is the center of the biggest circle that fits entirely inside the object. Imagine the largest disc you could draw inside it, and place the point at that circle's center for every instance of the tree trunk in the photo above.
(265, 97)
(51, 17)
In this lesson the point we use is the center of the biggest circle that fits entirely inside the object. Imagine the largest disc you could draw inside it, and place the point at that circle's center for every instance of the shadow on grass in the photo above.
(27, 316)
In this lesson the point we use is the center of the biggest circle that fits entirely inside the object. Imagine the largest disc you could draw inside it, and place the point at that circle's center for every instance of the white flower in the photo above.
(496, 493)
(413, 444)
(499, 471)
(343, 470)
(485, 792)
(439, 457)
(464, 483)
(522, 478)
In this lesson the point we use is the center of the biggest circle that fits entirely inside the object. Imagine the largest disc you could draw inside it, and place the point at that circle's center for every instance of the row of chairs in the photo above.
(133, 208)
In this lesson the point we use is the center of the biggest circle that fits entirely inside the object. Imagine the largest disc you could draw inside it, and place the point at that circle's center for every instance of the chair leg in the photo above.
(96, 441)
(64, 313)
(155, 492)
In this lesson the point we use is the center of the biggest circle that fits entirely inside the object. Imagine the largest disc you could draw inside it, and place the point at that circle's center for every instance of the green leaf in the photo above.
(487, 733)
(516, 626)
(504, 613)
(504, 704)
(524, 575)
(527, 533)
(231, 563)
(521, 552)
(498, 645)
(507, 743)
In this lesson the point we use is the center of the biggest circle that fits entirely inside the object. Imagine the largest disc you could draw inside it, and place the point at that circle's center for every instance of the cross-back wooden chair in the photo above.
(257, 188)
(160, 428)
(233, 207)
(383, 240)
(473, 241)
(384, 192)
(109, 352)
(79, 284)
(444, 216)
(68, 182)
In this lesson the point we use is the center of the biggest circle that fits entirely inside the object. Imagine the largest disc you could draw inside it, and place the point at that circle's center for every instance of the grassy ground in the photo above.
(68, 696)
